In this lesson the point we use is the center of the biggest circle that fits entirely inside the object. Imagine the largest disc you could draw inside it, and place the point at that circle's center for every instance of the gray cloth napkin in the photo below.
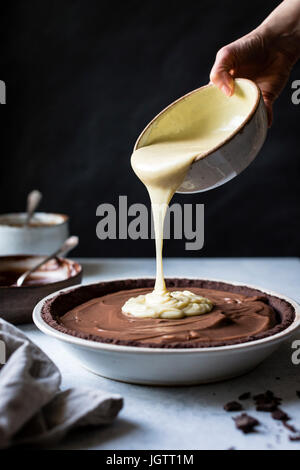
(33, 409)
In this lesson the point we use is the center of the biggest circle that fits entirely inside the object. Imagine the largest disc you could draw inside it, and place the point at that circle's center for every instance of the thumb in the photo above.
(220, 72)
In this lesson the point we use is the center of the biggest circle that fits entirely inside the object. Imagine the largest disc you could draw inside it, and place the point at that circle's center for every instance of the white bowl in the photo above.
(46, 236)
(158, 366)
(240, 119)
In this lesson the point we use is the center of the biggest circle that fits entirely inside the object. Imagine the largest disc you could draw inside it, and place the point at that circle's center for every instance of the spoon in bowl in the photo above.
(67, 246)
(33, 200)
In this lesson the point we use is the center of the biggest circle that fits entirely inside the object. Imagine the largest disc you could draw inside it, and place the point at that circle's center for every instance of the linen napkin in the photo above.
(33, 409)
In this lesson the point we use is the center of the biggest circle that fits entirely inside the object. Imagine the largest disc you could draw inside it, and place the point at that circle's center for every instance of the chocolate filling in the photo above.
(247, 314)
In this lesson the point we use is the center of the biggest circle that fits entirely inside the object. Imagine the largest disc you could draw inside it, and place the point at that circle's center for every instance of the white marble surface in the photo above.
(189, 417)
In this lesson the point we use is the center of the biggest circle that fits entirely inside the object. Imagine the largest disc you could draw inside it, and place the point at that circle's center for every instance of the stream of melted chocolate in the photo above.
(234, 316)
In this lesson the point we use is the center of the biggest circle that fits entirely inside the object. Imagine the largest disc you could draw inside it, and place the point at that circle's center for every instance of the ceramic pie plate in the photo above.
(169, 367)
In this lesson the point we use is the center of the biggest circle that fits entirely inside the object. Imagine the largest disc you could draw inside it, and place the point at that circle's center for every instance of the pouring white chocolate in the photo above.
(177, 139)
(162, 168)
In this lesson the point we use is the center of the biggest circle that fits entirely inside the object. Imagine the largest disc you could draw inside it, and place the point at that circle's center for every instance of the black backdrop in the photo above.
(84, 78)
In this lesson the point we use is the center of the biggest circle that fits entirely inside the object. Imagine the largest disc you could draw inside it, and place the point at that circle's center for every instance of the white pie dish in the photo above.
(169, 367)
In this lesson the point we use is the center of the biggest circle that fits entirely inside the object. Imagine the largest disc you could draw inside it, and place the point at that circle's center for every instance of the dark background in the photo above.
(84, 78)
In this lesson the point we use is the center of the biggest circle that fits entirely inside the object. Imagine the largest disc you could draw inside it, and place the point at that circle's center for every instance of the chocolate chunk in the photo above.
(246, 423)
(268, 407)
(245, 396)
(280, 415)
(298, 393)
(233, 406)
(266, 401)
(294, 438)
(290, 427)
(268, 395)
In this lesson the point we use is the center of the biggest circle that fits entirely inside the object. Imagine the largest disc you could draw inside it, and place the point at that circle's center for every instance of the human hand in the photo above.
(257, 57)
(266, 55)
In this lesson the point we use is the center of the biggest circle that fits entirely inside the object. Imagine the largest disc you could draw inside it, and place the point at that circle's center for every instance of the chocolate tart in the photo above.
(280, 314)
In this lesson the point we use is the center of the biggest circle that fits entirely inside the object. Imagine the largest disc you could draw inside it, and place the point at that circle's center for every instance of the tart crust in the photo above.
(57, 306)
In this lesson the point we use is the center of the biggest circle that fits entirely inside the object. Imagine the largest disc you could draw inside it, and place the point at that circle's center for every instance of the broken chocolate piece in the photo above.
(294, 438)
(245, 396)
(280, 415)
(246, 423)
(290, 427)
(233, 406)
(266, 401)
(266, 406)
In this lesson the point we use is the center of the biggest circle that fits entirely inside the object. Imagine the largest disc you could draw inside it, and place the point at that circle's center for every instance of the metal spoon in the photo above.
(33, 200)
(67, 246)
